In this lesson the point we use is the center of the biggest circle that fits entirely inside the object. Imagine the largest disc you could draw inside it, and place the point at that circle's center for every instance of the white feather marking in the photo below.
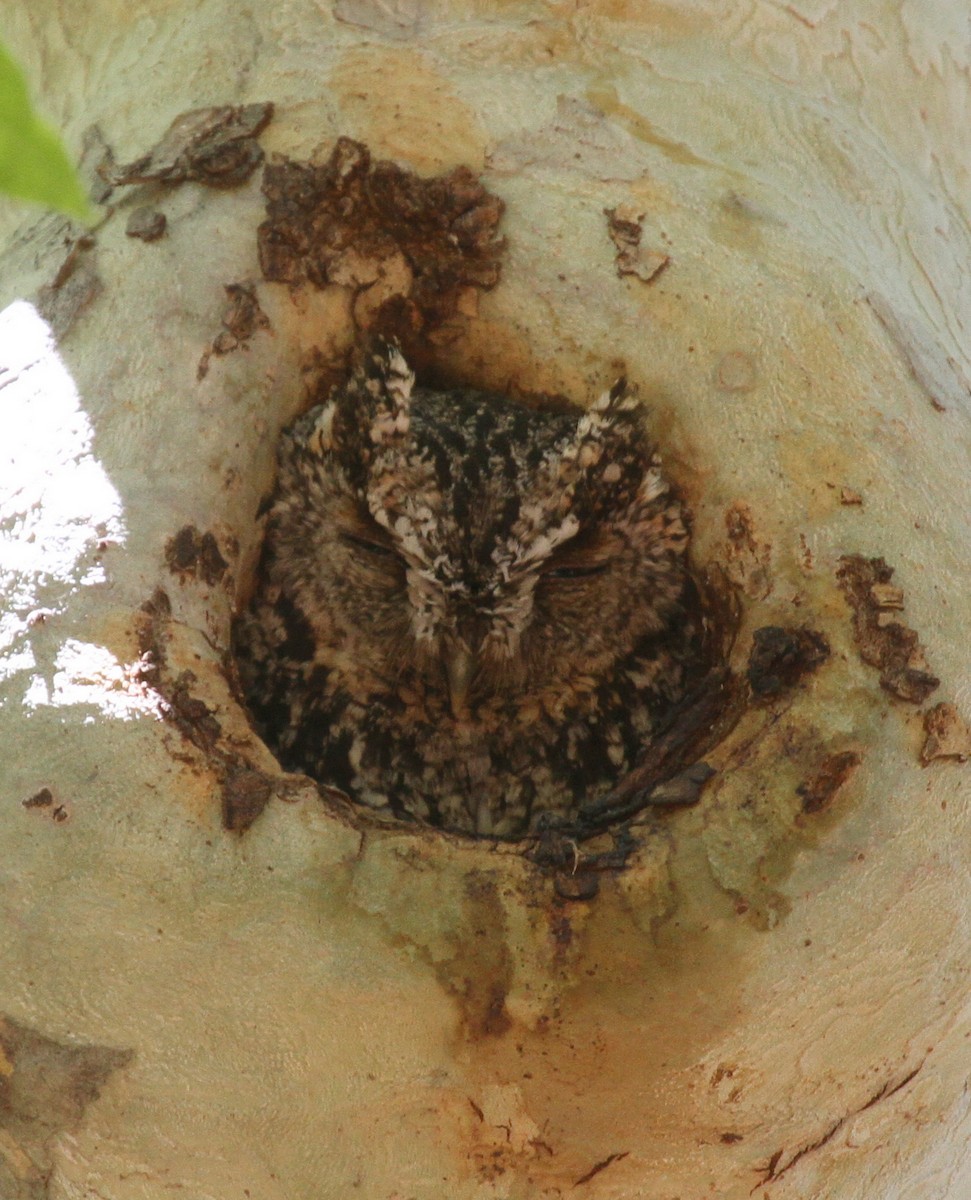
(652, 486)
(321, 439)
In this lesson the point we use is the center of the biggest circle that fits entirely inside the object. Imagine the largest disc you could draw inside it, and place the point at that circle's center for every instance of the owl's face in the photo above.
(472, 558)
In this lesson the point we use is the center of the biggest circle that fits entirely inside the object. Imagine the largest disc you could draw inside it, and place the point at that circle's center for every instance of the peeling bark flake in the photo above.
(883, 641)
(146, 223)
(42, 799)
(625, 225)
(947, 734)
(819, 791)
(214, 146)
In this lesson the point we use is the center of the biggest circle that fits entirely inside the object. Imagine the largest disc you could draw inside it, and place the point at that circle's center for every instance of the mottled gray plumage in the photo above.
(469, 611)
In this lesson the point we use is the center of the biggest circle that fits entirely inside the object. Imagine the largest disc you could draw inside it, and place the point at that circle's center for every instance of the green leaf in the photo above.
(33, 163)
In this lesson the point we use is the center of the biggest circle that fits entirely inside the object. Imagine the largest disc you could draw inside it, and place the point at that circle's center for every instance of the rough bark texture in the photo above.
(767, 993)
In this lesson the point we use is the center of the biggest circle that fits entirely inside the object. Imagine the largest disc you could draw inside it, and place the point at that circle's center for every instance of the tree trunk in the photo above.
(764, 993)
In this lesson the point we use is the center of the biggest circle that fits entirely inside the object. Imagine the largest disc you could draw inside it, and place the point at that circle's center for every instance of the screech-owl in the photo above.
(469, 611)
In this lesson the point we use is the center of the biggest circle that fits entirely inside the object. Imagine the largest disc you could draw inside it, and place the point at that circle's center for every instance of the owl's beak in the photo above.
(459, 663)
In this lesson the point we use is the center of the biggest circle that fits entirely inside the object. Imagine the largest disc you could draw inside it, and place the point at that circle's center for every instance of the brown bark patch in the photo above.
(883, 640)
(44, 802)
(240, 320)
(409, 248)
(819, 791)
(42, 799)
(245, 793)
(191, 553)
(780, 658)
(191, 716)
(245, 790)
(243, 316)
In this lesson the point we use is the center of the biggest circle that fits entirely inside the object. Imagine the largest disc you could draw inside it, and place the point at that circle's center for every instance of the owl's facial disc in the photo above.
(487, 534)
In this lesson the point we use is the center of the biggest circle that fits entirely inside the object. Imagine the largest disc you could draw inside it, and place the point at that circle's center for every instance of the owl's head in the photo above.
(472, 554)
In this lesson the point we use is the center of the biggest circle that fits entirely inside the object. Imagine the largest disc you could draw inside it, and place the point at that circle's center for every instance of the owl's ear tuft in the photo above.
(387, 381)
(618, 404)
(615, 418)
(384, 363)
(372, 412)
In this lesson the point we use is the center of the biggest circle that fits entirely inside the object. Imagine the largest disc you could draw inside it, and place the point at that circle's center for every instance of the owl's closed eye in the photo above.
(469, 611)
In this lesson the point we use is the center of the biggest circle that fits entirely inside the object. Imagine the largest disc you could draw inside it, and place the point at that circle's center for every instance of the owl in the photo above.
(469, 612)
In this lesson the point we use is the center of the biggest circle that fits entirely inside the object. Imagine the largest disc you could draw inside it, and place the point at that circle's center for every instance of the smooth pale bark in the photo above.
(765, 1001)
